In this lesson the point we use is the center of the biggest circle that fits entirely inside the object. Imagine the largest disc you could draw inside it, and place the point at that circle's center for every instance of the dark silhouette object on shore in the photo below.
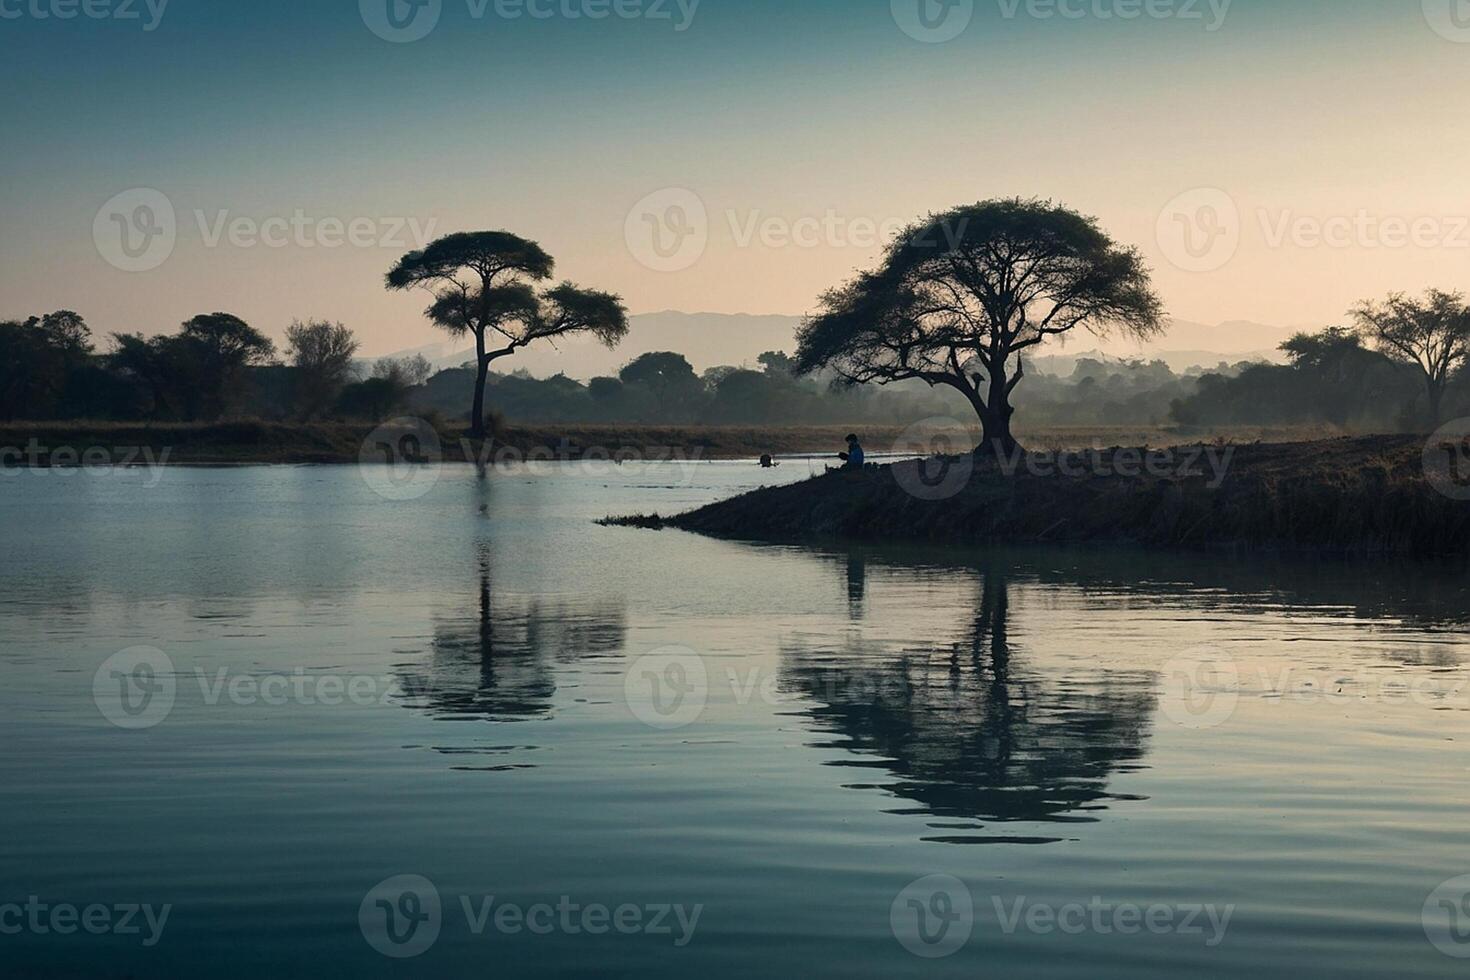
(481, 282)
(322, 353)
(962, 294)
(200, 372)
(767, 462)
(1431, 334)
(854, 458)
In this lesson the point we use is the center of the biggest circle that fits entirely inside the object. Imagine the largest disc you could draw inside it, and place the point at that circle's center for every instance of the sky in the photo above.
(1274, 160)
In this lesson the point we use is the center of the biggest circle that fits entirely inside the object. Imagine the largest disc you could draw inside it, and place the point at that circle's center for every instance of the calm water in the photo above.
(1125, 765)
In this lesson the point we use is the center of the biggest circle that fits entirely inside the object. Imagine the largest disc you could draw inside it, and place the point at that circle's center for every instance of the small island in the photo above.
(1360, 496)
(962, 298)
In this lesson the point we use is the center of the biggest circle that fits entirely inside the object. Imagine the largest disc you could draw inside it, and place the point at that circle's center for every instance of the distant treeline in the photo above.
(217, 366)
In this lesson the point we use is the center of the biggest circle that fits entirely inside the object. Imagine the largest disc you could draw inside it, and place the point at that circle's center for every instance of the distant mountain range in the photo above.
(710, 339)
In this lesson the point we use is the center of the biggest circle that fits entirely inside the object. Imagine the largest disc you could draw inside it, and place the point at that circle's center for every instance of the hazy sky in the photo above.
(1320, 146)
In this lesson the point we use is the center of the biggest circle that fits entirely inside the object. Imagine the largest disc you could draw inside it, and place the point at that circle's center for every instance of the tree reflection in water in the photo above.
(500, 662)
(967, 730)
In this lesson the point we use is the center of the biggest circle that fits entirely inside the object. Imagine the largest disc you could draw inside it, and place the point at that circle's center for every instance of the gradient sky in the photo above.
(783, 109)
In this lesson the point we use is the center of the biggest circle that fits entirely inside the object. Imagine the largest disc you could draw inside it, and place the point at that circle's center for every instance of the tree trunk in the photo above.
(995, 416)
(482, 369)
(1436, 402)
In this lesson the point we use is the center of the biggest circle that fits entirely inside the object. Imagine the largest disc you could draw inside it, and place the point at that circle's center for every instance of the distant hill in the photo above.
(710, 339)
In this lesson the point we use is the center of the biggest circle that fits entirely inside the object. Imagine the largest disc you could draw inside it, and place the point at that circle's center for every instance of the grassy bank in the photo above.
(1366, 495)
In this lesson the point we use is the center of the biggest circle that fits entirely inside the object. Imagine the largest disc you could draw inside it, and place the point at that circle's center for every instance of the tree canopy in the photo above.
(961, 294)
(1431, 334)
(482, 284)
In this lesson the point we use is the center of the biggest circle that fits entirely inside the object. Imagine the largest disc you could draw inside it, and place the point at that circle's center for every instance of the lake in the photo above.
(276, 721)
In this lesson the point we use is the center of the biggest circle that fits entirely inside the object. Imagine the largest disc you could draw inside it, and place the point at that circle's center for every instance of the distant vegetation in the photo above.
(50, 368)
(947, 325)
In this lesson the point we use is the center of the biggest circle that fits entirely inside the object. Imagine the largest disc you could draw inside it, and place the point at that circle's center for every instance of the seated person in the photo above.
(854, 456)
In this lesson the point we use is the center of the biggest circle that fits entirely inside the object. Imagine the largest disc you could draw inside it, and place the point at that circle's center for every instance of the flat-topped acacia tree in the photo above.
(1430, 334)
(481, 283)
(962, 294)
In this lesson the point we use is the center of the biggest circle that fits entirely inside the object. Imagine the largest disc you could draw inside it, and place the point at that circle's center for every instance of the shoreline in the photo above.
(1364, 496)
(248, 442)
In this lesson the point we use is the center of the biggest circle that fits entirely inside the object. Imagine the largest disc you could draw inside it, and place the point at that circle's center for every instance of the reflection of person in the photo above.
(854, 456)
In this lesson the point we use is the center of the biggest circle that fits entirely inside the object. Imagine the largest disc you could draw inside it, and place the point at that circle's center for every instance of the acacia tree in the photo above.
(321, 352)
(962, 294)
(1431, 334)
(481, 283)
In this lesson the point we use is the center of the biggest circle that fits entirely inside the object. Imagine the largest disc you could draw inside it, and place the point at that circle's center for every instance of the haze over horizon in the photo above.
(1274, 164)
